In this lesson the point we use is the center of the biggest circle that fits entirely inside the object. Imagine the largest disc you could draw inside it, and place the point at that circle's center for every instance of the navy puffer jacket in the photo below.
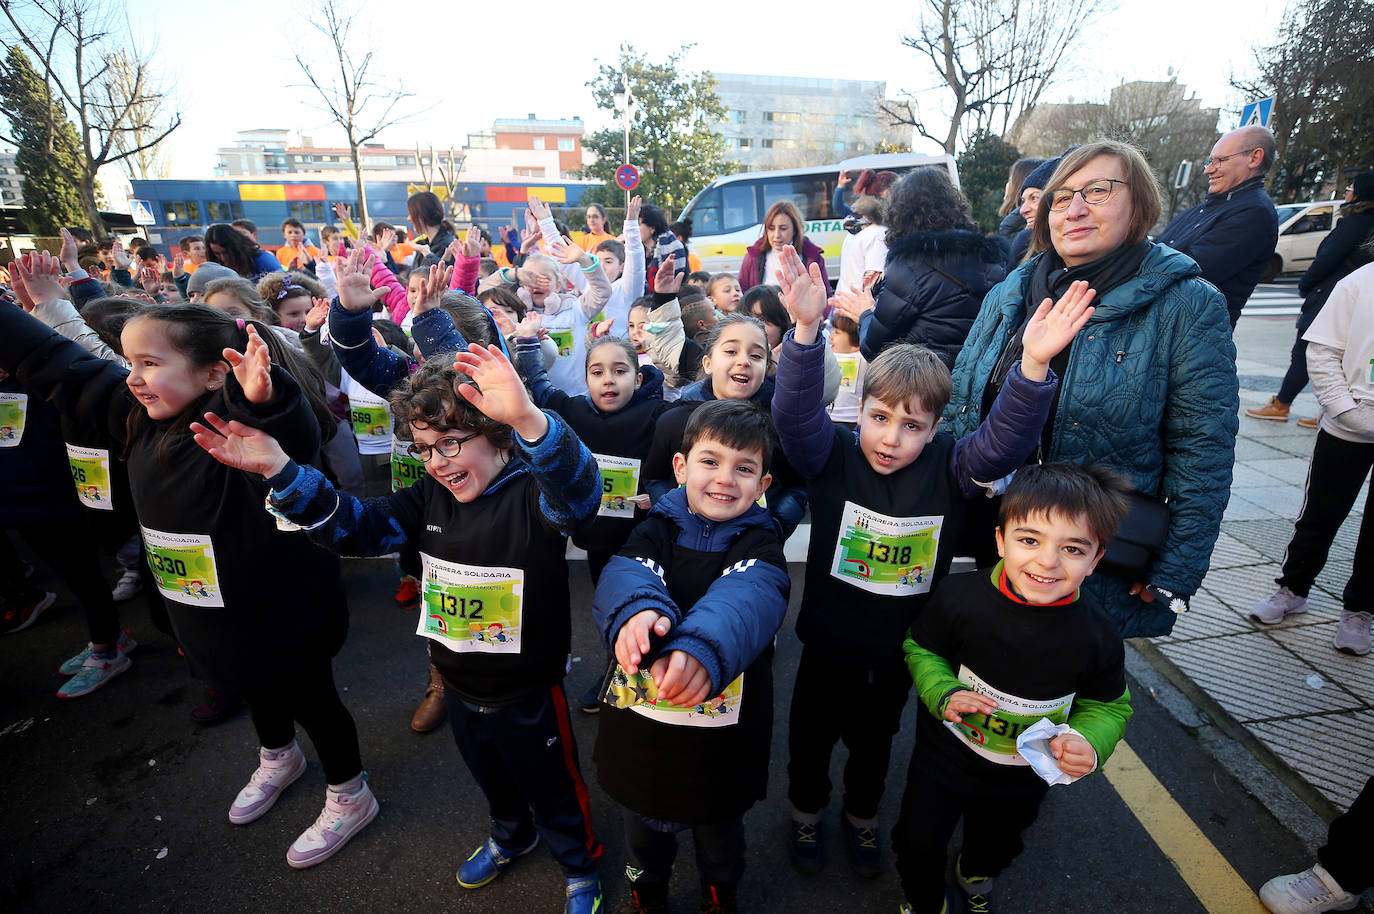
(1150, 389)
(933, 284)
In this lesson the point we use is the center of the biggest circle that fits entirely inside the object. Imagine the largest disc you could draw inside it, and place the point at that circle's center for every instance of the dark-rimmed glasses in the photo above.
(447, 446)
(1094, 194)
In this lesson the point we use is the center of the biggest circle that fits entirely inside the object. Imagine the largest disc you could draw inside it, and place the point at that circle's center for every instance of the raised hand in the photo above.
(601, 328)
(178, 263)
(668, 280)
(853, 303)
(632, 643)
(121, 256)
(344, 212)
(432, 288)
(472, 242)
(68, 255)
(566, 252)
(38, 271)
(237, 445)
(252, 367)
(318, 314)
(539, 209)
(500, 394)
(682, 680)
(1052, 327)
(843, 179)
(804, 294)
(354, 277)
(632, 211)
(529, 325)
(150, 279)
(387, 241)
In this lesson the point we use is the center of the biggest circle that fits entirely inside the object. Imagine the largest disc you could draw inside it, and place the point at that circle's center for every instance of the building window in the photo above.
(736, 117)
(217, 211)
(529, 172)
(539, 142)
(565, 144)
(307, 212)
(782, 117)
(183, 213)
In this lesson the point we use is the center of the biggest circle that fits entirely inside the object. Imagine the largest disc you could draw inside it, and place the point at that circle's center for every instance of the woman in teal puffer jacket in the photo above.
(1148, 386)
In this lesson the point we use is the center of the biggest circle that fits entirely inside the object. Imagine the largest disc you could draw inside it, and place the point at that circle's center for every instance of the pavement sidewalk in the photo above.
(1309, 706)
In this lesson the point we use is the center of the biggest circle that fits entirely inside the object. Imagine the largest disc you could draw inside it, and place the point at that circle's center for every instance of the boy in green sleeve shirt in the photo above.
(993, 654)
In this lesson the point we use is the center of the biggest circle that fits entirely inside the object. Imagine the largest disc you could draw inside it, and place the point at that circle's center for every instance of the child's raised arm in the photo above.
(805, 431)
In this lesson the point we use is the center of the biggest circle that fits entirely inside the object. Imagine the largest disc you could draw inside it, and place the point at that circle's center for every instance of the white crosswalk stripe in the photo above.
(1273, 300)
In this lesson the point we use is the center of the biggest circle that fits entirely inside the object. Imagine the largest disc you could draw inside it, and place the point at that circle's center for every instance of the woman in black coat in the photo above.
(937, 271)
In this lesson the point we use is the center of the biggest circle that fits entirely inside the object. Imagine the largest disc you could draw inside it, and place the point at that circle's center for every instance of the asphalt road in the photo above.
(96, 788)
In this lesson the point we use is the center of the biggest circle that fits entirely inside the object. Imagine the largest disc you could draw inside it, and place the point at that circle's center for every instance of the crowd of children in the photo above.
(415, 397)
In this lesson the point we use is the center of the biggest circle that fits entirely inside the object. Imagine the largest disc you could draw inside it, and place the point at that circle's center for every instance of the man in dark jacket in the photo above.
(1232, 233)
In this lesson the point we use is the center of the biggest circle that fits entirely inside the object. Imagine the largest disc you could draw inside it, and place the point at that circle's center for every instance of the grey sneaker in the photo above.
(1312, 891)
(1352, 635)
(1272, 609)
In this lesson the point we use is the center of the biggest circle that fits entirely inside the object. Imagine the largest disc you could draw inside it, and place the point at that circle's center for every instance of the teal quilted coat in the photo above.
(1150, 390)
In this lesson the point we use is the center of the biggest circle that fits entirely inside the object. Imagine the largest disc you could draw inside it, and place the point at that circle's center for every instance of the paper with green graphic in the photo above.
(619, 483)
(470, 608)
(91, 474)
(639, 693)
(405, 469)
(14, 409)
(183, 567)
(891, 556)
(993, 736)
(564, 340)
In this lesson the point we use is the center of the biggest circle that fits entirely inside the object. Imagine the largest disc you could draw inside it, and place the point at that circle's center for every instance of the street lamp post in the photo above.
(624, 100)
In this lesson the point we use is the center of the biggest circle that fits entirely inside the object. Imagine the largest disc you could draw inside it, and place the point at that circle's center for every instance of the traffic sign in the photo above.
(627, 176)
(142, 211)
(1256, 113)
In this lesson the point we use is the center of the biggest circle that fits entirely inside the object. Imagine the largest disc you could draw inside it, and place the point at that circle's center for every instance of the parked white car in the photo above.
(1302, 226)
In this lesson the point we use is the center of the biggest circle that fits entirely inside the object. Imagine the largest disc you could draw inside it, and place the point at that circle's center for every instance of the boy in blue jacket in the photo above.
(887, 503)
(690, 607)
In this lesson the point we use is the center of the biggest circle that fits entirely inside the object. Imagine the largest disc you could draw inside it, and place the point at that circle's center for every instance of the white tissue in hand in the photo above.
(1034, 746)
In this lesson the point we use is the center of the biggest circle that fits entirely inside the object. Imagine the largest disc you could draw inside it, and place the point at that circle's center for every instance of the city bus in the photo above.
(727, 216)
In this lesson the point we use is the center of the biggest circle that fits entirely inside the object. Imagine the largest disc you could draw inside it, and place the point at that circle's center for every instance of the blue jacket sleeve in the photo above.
(375, 367)
(529, 358)
(342, 523)
(805, 431)
(736, 619)
(837, 203)
(122, 276)
(1009, 435)
(88, 289)
(265, 262)
(630, 586)
(434, 332)
(567, 475)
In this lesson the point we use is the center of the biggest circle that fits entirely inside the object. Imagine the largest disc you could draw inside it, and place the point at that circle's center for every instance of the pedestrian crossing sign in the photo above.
(142, 211)
(1256, 114)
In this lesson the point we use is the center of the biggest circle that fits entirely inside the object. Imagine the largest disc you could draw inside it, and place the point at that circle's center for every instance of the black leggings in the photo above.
(71, 550)
(308, 695)
(720, 851)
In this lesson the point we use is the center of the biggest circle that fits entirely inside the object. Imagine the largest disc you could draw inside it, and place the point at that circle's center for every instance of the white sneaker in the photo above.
(1352, 635)
(343, 816)
(1310, 892)
(1272, 609)
(128, 587)
(277, 770)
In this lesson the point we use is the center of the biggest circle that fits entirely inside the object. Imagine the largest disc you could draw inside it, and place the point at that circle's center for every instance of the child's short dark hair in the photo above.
(1094, 493)
(293, 222)
(615, 247)
(185, 243)
(430, 398)
(393, 334)
(698, 309)
(378, 227)
(248, 225)
(907, 372)
(700, 277)
(848, 326)
(106, 244)
(734, 423)
(487, 266)
(506, 299)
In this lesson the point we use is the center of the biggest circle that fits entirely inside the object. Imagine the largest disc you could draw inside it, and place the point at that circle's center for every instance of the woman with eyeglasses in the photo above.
(1148, 387)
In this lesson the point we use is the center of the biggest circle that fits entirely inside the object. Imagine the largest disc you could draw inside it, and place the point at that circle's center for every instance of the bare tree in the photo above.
(994, 59)
(144, 159)
(448, 170)
(359, 104)
(94, 69)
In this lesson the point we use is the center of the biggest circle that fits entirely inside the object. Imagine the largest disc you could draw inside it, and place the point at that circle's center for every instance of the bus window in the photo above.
(810, 193)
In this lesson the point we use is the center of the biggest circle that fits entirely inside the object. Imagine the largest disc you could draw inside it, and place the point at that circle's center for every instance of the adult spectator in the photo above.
(1010, 210)
(227, 245)
(1232, 233)
(937, 271)
(1340, 254)
(865, 244)
(431, 228)
(1148, 386)
(1032, 187)
(869, 183)
(783, 225)
(596, 229)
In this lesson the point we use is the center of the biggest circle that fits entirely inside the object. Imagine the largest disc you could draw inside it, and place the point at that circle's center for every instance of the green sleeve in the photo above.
(933, 675)
(1102, 723)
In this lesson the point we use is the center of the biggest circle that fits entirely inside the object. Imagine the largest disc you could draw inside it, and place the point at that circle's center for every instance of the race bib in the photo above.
(993, 736)
(639, 693)
(183, 566)
(468, 608)
(13, 409)
(849, 371)
(619, 483)
(91, 474)
(370, 417)
(564, 340)
(405, 469)
(892, 556)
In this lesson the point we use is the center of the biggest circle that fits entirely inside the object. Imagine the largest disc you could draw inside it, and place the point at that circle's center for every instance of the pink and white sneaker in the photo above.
(343, 816)
(277, 770)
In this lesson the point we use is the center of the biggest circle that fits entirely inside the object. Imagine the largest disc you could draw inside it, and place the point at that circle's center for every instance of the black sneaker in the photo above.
(589, 702)
(18, 617)
(217, 706)
(804, 843)
(862, 846)
(645, 900)
(976, 891)
(718, 899)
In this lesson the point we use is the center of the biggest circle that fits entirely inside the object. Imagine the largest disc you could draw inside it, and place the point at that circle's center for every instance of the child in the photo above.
(658, 334)
(502, 465)
(723, 290)
(698, 318)
(624, 265)
(844, 342)
(291, 295)
(205, 536)
(296, 253)
(887, 503)
(994, 654)
(690, 607)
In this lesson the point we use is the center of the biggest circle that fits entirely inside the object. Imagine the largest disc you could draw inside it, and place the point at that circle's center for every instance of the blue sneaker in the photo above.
(487, 862)
(72, 665)
(584, 895)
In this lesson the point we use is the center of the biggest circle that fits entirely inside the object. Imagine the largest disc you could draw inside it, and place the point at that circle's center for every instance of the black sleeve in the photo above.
(1332, 252)
(658, 465)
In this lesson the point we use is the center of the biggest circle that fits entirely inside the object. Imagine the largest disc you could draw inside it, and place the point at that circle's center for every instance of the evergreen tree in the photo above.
(48, 151)
(983, 169)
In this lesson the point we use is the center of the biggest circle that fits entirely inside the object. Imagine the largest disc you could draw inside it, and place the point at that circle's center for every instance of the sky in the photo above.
(231, 67)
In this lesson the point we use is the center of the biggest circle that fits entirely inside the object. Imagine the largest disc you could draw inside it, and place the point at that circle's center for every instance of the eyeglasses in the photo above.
(1217, 160)
(448, 446)
(1094, 194)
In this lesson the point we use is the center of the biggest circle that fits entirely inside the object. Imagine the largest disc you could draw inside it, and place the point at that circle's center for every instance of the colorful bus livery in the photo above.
(727, 217)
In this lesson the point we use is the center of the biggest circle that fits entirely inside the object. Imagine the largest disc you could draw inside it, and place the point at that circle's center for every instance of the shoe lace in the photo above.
(978, 904)
(868, 838)
(805, 834)
(1311, 887)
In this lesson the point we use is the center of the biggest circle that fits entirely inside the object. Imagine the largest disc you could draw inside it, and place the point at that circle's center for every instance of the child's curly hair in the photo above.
(430, 399)
(275, 288)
